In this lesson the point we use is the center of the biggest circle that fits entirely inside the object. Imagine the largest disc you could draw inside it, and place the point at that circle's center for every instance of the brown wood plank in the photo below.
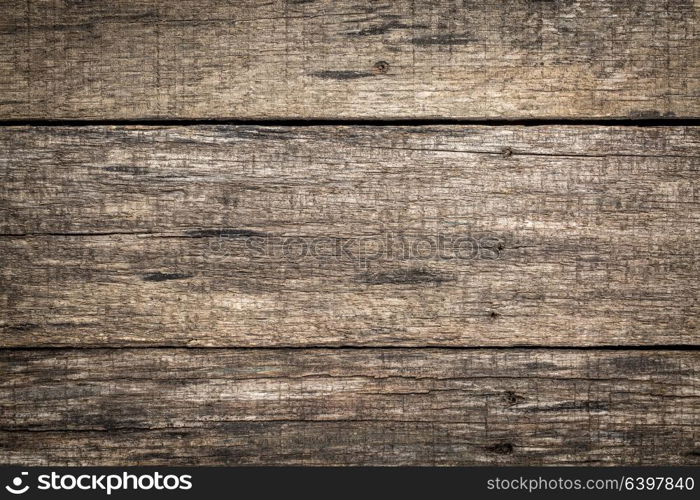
(121, 59)
(346, 180)
(337, 406)
(252, 236)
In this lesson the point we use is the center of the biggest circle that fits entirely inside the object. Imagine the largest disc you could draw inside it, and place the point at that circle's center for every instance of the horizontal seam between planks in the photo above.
(315, 122)
(522, 347)
(219, 423)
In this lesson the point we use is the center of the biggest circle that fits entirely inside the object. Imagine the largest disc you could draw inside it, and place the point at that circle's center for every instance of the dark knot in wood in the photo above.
(380, 67)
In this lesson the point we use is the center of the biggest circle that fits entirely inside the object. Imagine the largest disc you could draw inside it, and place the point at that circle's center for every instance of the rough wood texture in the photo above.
(257, 236)
(348, 180)
(331, 59)
(201, 406)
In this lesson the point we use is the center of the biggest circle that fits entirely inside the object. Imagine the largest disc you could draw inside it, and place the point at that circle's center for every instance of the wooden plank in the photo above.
(345, 180)
(337, 406)
(255, 236)
(121, 59)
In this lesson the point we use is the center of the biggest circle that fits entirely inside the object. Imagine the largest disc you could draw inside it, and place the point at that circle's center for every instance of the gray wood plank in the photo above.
(121, 59)
(336, 406)
(310, 236)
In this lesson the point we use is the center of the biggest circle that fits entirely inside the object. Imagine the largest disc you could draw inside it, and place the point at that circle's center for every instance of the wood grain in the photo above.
(365, 236)
(337, 406)
(346, 180)
(124, 59)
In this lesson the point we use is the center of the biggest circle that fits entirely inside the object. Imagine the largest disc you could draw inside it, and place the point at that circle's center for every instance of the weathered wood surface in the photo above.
(415, 236)
(348, 180)
(123, 59)
(201, 406)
